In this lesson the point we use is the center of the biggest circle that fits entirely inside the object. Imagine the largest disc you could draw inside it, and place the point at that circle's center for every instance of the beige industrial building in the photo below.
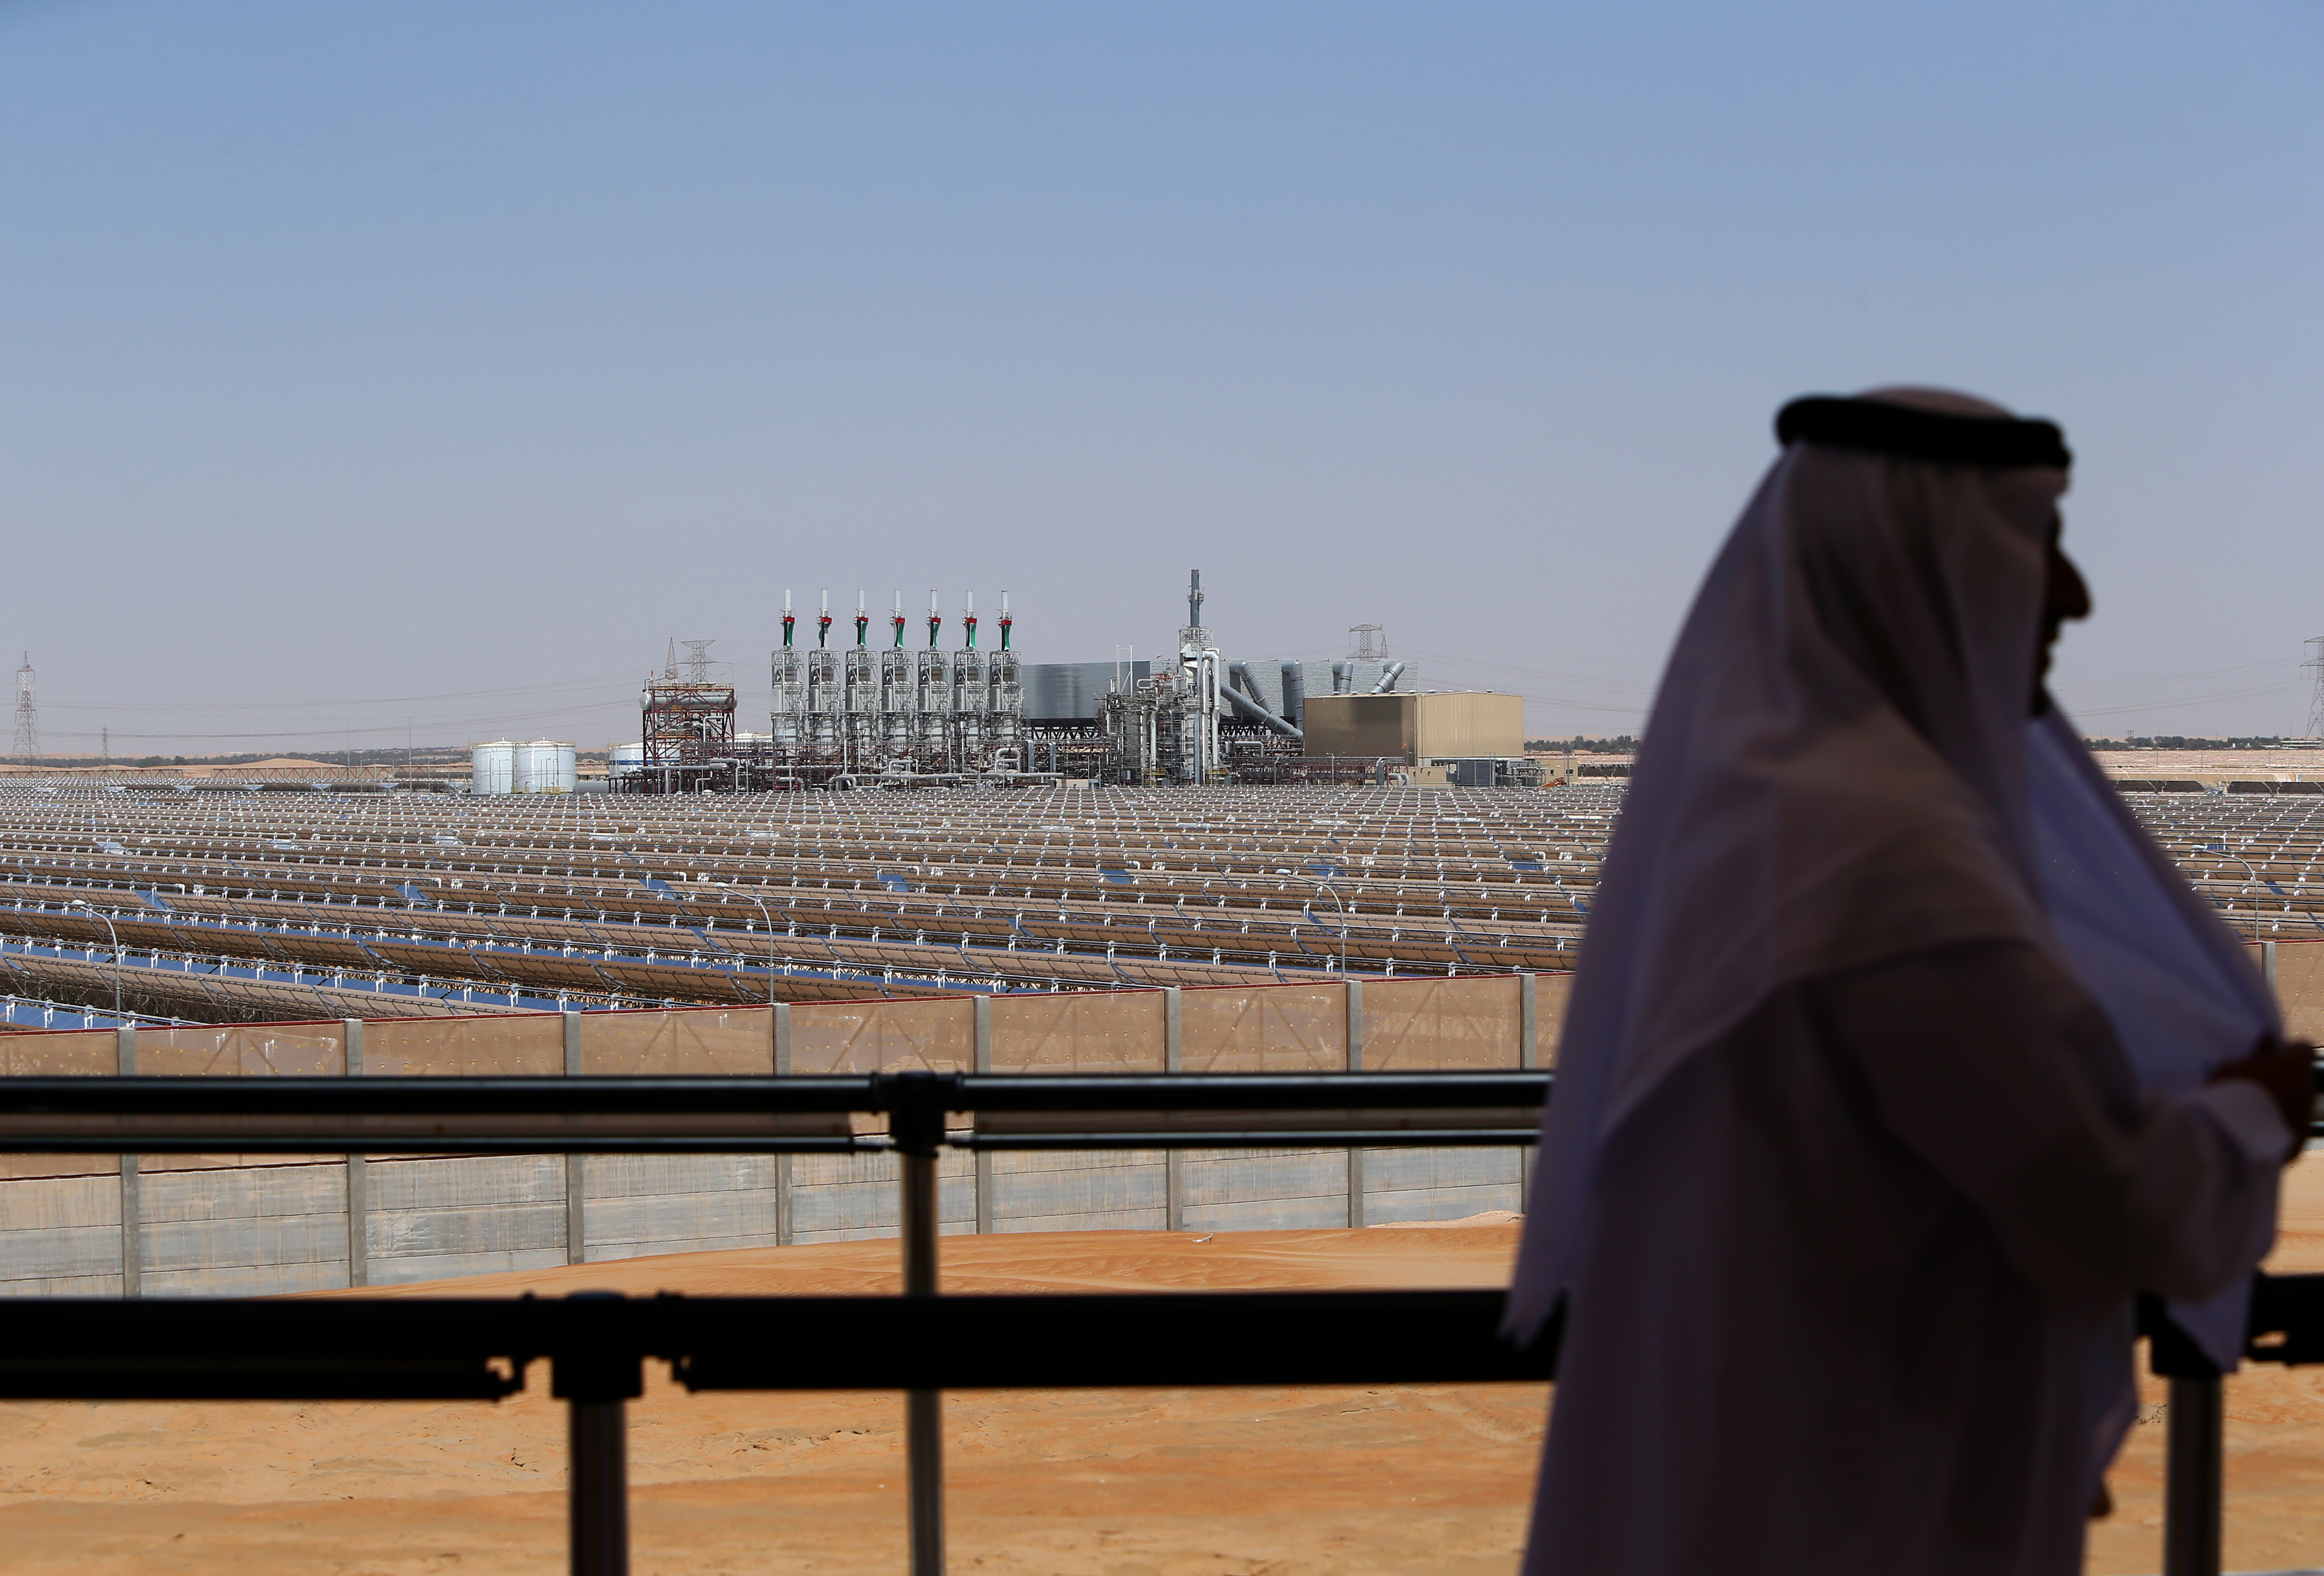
(1441, 728)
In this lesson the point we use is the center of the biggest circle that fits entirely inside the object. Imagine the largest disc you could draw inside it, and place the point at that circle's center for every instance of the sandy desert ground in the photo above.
(1106, 1483)
(2276, 1440)
(1082, 1483)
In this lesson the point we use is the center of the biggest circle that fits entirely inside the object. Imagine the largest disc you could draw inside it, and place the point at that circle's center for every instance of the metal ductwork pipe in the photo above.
(1343, 678)
(1262, 714)
(1294, 694)
(1389, 678)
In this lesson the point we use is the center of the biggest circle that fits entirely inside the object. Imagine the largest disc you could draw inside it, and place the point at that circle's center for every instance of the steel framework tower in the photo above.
(2315, 644)
(28, 717)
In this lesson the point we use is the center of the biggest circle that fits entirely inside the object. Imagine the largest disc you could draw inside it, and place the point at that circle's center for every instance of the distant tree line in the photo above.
(2175, 742)
(424, 755)
(1588, 744)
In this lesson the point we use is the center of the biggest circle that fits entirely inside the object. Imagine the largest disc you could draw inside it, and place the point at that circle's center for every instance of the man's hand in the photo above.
(2286, 1070)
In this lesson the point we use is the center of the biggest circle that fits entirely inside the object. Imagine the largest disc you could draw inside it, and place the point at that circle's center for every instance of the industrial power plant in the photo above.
(901, 715)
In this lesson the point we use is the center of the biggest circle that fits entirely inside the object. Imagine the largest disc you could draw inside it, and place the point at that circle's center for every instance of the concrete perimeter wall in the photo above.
(242, 1226)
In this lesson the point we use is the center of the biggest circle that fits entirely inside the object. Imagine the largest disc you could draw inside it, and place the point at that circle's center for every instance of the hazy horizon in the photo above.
(429, 367)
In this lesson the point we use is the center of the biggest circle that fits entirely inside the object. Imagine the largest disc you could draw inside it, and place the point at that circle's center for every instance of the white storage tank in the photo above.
(568, 769)
(623, 763)
(538, 768)
(493, 768)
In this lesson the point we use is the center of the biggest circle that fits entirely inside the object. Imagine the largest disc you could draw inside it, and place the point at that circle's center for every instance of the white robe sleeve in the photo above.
(1992, 1066)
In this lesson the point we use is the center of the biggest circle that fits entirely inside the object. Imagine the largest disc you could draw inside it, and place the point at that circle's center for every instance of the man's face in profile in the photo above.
(2065, 596)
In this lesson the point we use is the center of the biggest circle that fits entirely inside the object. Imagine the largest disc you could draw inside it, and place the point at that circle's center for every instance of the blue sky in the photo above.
(367, 366)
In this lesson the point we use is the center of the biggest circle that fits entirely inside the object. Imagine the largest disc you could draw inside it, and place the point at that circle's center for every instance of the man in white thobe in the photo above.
(1898, 1061)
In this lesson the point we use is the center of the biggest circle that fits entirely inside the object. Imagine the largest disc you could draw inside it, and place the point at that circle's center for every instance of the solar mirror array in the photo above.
(247, 906)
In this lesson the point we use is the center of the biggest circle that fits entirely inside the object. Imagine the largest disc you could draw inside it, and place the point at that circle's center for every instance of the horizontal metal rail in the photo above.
(921, 1343)
(596, 1343)
(709, 1115)
(477, 1349)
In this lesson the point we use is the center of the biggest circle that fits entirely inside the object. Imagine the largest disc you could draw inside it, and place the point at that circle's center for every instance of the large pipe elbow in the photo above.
(1262, 714)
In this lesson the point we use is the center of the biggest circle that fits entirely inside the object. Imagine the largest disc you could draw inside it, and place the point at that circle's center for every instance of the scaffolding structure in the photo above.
(1195, 724)
(904, 714)
(688, 738)
(849, 716)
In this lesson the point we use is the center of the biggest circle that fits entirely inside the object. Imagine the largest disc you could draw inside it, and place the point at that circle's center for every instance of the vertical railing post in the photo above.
(2193, 1450)
(358, 1177)
(916, 1119)
(1174, 1161)
(2191, 1512)
(1355, 989)
(133, 1212)
(576, 1175)
(597, 1379)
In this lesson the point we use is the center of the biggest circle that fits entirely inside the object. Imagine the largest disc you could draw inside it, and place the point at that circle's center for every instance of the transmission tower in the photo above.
(2315, 699)
(697, 661)
(1371, 641)
(28, 717)
(669, 666)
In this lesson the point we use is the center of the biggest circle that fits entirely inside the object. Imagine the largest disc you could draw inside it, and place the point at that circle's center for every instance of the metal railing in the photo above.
(462, 1348)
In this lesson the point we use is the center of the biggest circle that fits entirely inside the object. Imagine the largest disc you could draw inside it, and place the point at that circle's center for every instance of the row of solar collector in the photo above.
(1103, 914)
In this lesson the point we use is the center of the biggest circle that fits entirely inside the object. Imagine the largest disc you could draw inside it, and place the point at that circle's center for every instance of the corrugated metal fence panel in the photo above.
(734, 1042)
(1118, 1031)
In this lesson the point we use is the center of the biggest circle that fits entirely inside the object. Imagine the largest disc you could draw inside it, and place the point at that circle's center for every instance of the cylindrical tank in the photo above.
(544, 766)
(623, 763)
(536, 764)
(492, 768)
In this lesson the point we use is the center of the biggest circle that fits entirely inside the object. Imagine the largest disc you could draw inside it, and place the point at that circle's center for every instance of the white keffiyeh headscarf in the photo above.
(1840, 770)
